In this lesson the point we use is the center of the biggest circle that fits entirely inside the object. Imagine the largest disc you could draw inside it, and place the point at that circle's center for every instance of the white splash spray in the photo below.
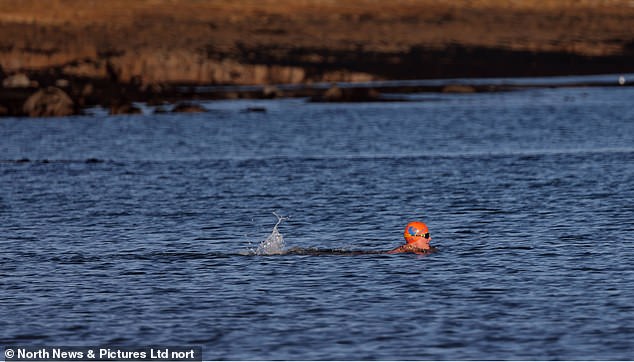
(274, 243)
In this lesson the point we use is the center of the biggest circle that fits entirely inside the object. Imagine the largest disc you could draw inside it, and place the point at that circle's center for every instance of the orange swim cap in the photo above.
(414, 230)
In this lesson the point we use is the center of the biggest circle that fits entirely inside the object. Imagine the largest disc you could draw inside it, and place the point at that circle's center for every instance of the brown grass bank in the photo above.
(295, 41)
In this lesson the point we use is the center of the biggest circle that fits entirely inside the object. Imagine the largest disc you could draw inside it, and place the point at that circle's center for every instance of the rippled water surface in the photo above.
(140, 230)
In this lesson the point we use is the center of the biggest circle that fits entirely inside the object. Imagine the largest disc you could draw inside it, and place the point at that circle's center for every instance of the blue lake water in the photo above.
(140, 230)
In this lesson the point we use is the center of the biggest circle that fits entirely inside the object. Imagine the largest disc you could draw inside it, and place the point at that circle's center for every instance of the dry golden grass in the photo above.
(586, 26)
(37, 32)
(83, 11)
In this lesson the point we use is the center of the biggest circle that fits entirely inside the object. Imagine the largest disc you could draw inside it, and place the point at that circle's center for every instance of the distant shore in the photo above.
(117, 52)
(78, 94)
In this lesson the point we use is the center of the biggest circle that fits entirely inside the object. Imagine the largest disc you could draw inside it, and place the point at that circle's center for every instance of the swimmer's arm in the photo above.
(408, 249)
(400, 249)
(428, 251)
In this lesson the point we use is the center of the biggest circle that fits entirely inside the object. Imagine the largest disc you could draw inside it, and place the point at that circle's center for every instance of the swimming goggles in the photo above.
(425, 235)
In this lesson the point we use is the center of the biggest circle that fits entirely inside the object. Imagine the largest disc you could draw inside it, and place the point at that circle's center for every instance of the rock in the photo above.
(370, 94)
(136, 81)
(271, 92)
(62, 83)
(188, 108)
(19, 80)
(255, 110)
(87, 90)
(93, 160)
(336, 94)
(458, 88)
(126, 108)
(154, 88)
(49, 102)
(156, 102)
(333, 94)
(231, 95)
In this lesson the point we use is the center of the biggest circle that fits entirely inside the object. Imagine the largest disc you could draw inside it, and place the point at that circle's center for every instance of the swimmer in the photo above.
(417, 240)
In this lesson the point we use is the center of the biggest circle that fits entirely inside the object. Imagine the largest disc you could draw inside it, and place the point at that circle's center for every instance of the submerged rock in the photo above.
(271, 92)
(255, 110)
(333, 94)
(188, 108)
(336, 94)
(126, 108)
(93, 160)
(458, 88)
(49, 102)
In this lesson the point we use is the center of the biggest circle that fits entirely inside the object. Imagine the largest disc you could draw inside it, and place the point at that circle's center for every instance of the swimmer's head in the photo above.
(414, 231)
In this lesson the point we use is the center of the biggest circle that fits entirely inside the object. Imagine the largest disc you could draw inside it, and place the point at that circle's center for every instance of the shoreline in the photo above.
(118, 52)
(118, 98)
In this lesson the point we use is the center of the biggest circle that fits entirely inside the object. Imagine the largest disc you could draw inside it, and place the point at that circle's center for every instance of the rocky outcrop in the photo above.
(49, 102)
(149, 68)
(19, 80)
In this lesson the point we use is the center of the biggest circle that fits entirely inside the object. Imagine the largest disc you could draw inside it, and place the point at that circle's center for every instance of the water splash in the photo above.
(274, 243)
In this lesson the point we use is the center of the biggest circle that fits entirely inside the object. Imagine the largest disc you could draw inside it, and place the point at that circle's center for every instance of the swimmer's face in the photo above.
(421, 241)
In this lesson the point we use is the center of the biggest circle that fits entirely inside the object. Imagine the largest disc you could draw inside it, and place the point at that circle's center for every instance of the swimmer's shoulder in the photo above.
(409, 249)
(431, 250)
